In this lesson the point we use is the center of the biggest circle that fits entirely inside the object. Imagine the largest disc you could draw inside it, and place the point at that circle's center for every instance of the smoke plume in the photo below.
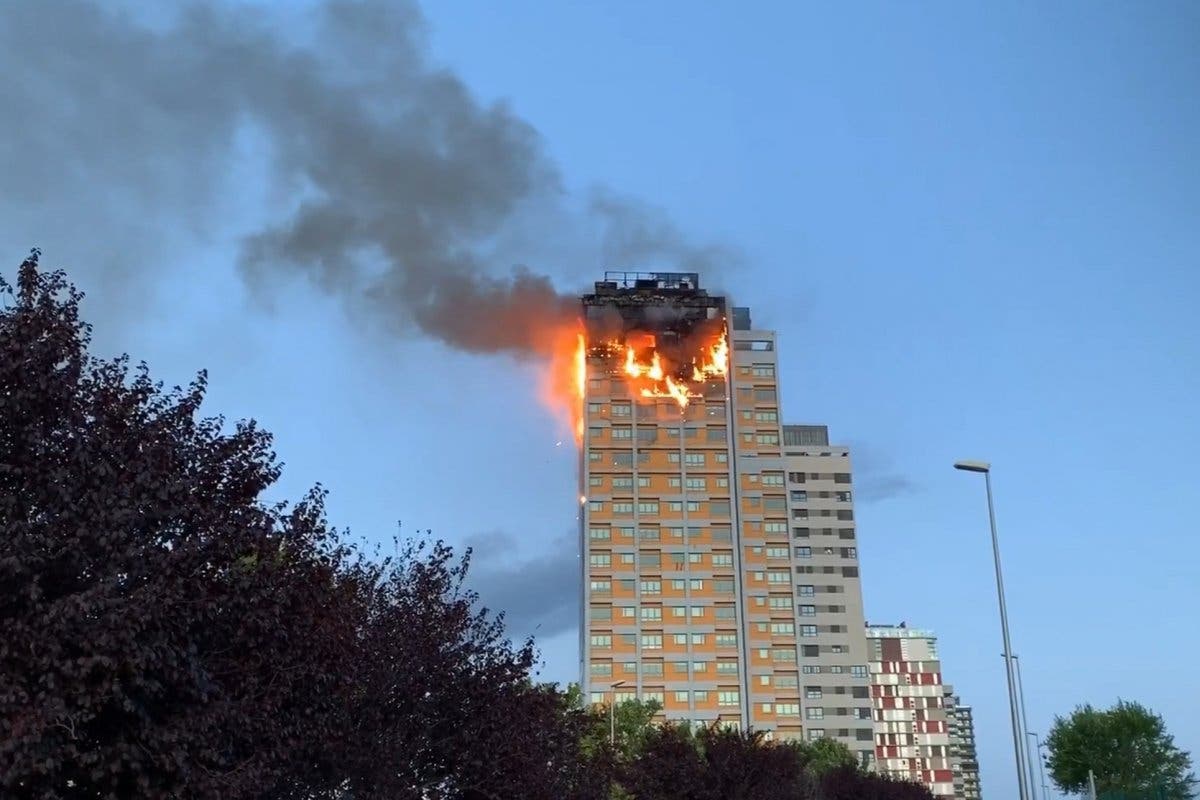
(392, 183)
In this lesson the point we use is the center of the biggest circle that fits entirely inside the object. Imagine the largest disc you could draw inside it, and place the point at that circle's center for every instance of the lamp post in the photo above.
(1025, 726)
(1018, 739)
(612, 712)
(1038, 745)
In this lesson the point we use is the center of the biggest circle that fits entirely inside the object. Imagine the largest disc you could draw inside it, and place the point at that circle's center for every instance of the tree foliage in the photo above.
(1127, 747)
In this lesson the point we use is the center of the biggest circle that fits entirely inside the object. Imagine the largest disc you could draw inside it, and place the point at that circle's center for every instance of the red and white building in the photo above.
(912, 726)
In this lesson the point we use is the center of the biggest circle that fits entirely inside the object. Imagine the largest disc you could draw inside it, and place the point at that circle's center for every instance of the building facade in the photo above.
(912, 726)
(964, 762)
(705, 587)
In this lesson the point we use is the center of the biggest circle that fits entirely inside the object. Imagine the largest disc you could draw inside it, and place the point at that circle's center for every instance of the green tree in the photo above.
(822, 755)
(1127, 747)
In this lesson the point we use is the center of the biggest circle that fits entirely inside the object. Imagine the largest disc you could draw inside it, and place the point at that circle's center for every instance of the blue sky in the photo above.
(975, 228)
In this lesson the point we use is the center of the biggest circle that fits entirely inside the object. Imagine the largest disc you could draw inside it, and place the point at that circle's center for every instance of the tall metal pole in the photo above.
(1018, 750)
(1041, 765)
(1025, 727)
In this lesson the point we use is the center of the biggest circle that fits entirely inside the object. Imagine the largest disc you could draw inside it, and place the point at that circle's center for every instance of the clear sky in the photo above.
(976, 228)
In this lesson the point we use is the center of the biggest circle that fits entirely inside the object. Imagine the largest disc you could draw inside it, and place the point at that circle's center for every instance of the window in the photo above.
(845, 514)
(600, 559)
(680, 639)
(629, 667)
(678, 611)
(727, 668)
(803, 552)
(621, 409)
(601, 587)
(783, 654)
(648, 534)
(813, 692)
(600, 668)
(622, 483)
(783, 629)
(622, 507)
(652, 668)
(628, 612)
(696, 584)
(816, 733)
(778, 576)
(767, 438)
(678, 584)
(766, 416)
(843, 497)
(722, 458)
(696, 483)
(808, 630)
(601, 612)
(728, 698)
(814, 713)
(722, 483)
(788, 709)
(695, 558)
(651, 613)
(808, 611)
(693, 459)
(673, 457)
(715, 508)
(781, 601)
(858, 671)
(807, 591)
(648, 507)
(726, 559)
(625, 532)
(841, 477)
(699, 666)
(599, 533)
(715, 434)
(723, 586)
(626, 558)
(651, 587)
(800, 513)
(682, 697)
(763, 370)
(700, 695)
(696, 611)
(799, 496)
(726, 640)
(772, 479)
(601, 640)
(796, 477)
(652, 641)
(764, 395)
(800, 533)
(775, 527)
(777, 552)
(674, 482)
(724, 612)
(699, 638)
(767, 708)
(595, 505)
(621, 432)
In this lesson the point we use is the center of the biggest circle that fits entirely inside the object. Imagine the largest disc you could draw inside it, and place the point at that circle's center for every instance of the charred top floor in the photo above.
(661, 302)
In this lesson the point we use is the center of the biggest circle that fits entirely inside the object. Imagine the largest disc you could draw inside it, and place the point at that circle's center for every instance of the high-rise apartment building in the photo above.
(912, 727)
(719, 564)
(964, 762)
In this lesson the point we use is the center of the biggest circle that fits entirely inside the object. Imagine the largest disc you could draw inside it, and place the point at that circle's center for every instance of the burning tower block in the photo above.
(702, 589)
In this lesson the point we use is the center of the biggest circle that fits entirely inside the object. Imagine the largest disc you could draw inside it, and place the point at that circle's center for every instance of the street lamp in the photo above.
(1038, 745)
(1025, 726)
(612, 713)
(1018, 739)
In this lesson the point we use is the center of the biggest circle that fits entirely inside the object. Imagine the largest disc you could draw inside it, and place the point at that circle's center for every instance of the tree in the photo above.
(823, 755)
(168, 634)
(164, 632)
(1127, 747)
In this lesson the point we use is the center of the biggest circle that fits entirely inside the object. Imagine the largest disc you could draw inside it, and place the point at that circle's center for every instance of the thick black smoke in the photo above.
(391, 183)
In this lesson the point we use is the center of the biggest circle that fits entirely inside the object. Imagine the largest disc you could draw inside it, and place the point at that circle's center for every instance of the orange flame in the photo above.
(651, 379)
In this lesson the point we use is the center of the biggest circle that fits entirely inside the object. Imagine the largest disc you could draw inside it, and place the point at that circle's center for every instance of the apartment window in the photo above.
(678, 584)
(811, 669)
(801, 533)
(696, 483)
(807, 591)
(715, 434)
(680, 639)
(696, 611)
(814, 713)
(726, 640)
(695, 558)
(803, 552)
(815, 734)
(674, 482)
(772, 479)
(673, 457)
(781, 601)
(601, 612)
(849, 552)
(601, 640)
(810, 650)
(652, 668)
(788, 709)
(726, 559)
(722, 533)
(595, 505)
(845, 514)
(626, 558)
(766, 438)
(766, 416)
(799, 496)
(845, 533)
(599, 533)
(858, 671)
(628, 612)
(622, 483)
(647, 507)
(836, 670)
(678, 611)
(601, 587)
(692, 459)
(651, 614)
(600, 559)
(796, 477)
(808, 611)
(800, 513)
(722, 458)
(648, 534)
(595, 455)
(650, 559)
(786, 681)
(783, 629)
(700, 695)
(629, 667)
(777, 552)
(841, 477)
(621, 409)
(622, 507)
(682, 697)
(727, 668)
(728, 698)
(722, 586)
(652, 641)
(774, 503)
(808, 630)
(763, 395)
(699, 666)
(674, 505)
(778, 576)
(783, 654)
(625, 532)
(621, 432)
(766, 708)
(724, 612)
(600, 668)
(849, 572)
(843, 497)
(716, 508)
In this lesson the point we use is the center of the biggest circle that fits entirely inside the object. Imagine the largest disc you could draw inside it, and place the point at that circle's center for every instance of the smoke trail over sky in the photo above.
(390, 182)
